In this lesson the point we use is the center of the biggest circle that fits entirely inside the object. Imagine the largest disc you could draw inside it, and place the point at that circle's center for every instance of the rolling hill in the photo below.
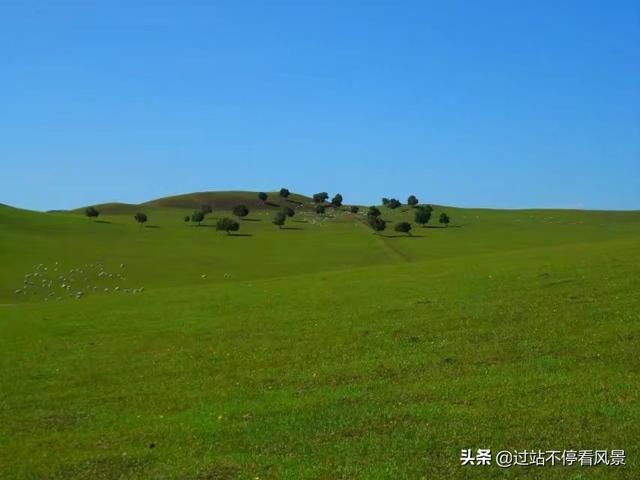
(320, 350)
(195, 200)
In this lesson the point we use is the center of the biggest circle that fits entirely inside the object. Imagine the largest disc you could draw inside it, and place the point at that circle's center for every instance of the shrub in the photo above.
(353, 209)
(263, 196)
(444, 219)
(320, 209)
(336, 201)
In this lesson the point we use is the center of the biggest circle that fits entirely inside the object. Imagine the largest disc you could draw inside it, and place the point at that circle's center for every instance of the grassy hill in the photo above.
(216, 200)
(316, 351)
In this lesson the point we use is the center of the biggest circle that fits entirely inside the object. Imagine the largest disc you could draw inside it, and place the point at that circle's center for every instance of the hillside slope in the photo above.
(195, 200)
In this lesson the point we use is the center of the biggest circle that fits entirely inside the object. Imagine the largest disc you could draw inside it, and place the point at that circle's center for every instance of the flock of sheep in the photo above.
(53, 282)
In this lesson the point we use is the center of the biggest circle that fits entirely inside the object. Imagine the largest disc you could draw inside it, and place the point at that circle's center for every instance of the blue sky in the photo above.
(493, 103)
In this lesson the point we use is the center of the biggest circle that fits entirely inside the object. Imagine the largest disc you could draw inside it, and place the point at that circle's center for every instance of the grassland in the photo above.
(318, 351)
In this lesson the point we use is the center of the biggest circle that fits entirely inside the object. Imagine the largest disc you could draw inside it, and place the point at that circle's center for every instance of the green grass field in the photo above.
(319, 351)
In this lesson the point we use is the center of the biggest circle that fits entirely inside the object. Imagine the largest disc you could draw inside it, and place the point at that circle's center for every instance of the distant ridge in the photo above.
(216, 200)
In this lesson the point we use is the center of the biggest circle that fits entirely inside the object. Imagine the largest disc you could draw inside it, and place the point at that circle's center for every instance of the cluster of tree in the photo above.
(374, 220)
(199, 215)
(422, 214)
(281, 217)
(92, 212)
(391, 203)
(240, 211)
(403, 227)
(228, 225)
(320, 197)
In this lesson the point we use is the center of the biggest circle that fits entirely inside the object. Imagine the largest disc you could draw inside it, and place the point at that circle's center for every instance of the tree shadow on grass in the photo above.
(152, 226)
(240, 235)
(101, 221)
(271, 204)
(440, 226)
(251, 219)
(291, 228)
(402, 236)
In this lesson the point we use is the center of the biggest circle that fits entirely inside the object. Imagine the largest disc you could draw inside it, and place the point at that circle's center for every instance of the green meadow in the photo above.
(315, 351)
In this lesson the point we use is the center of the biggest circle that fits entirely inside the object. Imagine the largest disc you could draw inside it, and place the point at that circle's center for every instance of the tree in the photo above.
(403, 227)
(197, 217)
(187, 218)
(428, 207)
(320, 197)
(284, 193)
(444, 219)
(336, 201)
(376, 223)
(91, 212)
(288, 211)
(228, 225)
(206, 209)
(393, 203)
(140, 217)
(240, 211)
(280, 219)
(412, 200)
(353, 209)
(385, 201)
(373, 212)
(263, 196)
(320, 209)
(422, 216)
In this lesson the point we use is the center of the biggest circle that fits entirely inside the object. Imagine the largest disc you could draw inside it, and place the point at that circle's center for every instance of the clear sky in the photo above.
(472, 103)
